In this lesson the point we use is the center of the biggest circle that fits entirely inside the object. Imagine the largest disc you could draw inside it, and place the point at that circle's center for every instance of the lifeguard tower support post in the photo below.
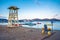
(13, 16)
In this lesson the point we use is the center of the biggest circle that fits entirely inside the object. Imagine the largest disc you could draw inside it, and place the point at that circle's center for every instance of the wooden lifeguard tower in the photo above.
(13, 17)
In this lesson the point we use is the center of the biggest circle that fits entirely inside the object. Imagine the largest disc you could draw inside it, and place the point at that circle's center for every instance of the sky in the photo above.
(30, 9)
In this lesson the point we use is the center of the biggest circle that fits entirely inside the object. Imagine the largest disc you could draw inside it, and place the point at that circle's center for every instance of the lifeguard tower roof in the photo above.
(13, 8)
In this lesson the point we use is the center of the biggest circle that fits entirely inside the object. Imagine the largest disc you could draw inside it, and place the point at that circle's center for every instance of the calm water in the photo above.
(56, 25)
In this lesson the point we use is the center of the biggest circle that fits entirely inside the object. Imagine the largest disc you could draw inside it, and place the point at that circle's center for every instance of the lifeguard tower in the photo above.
(13, 17)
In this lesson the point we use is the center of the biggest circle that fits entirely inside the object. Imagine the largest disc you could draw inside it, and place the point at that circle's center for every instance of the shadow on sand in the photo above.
(48, 36)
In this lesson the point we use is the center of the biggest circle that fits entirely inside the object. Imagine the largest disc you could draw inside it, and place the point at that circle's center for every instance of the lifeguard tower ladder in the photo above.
(13, 16)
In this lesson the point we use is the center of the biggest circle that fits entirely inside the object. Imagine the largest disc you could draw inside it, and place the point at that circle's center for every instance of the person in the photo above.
(45, 28)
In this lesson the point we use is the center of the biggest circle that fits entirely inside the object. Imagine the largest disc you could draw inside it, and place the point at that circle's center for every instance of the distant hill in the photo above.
(53, 19)
(41, 19)
(5, 20)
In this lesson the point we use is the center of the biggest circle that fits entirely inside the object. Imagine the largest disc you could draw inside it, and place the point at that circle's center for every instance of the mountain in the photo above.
(46, 19)
(54, 19)
(3, 20)
(41, 19)
(36, 19)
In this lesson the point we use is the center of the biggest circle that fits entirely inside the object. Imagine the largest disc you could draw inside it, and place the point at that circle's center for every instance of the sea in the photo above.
(56, 25)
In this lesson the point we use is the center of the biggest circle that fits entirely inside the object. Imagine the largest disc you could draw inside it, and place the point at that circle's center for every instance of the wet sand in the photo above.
(22, 33)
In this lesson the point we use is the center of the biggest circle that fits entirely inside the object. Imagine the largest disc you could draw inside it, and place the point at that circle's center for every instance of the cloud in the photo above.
(2, 17)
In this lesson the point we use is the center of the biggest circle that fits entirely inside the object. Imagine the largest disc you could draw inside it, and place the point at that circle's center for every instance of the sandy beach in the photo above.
(22, 33)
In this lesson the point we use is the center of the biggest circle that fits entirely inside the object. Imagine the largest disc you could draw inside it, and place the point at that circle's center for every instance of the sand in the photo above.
(55, 36)
(22, 33)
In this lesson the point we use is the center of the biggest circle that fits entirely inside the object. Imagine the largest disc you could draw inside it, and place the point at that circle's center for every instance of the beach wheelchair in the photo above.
(46, 30)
